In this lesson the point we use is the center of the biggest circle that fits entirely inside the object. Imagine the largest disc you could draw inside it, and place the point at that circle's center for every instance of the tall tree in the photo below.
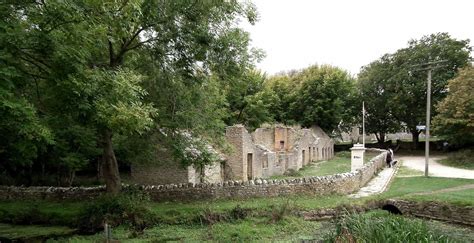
(325, 98)
(409, 85)
(249, 101)
(375, 91)
(317, 95)
(455, 119)
(87, 56)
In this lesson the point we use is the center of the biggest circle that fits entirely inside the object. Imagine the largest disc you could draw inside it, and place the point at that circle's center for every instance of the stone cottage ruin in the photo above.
(263, 153)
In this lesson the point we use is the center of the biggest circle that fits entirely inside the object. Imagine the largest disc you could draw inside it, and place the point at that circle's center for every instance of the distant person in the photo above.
(389, 160)
(445, 146)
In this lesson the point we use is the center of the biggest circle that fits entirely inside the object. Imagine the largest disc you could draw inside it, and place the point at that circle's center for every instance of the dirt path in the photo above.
(435, 169)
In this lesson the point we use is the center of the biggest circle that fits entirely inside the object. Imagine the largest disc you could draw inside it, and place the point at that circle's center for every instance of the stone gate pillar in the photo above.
(357, 156)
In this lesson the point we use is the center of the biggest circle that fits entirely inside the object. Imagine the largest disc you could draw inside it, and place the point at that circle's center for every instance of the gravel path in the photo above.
(434, 168)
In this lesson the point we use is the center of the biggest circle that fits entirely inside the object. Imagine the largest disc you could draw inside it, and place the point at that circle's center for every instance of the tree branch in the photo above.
(41, 69)
(111, 54)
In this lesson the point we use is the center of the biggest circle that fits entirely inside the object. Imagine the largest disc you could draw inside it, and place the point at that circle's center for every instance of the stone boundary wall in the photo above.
(343, 183)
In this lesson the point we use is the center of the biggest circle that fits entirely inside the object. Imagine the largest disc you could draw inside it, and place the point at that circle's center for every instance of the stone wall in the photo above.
(235, 157)
(50, 193)
(164, 173)
(344, 183)
(264, 136)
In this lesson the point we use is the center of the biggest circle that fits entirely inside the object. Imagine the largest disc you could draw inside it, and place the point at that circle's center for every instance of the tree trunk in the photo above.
(380, 137)
(109, 164)
(99, 175)
(416, 138)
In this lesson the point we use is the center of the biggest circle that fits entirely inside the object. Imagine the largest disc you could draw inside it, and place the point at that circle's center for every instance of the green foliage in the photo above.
(23, 135)
(455, 119)
(397, 81)
(411, 84)
(127, 209)
(84, 78)
(116, 99)
(318, 95)
(325, 98)
(375, 90)
(249, 101)
(380, 226)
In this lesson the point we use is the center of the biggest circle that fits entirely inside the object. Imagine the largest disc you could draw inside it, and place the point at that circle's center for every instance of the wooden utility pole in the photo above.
(428, 116)
(429, 66)
(363, 124)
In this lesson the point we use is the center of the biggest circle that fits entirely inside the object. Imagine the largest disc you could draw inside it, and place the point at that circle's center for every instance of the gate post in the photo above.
(357, 156)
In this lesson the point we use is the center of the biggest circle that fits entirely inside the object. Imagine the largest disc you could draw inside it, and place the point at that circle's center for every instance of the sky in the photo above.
(295, 34)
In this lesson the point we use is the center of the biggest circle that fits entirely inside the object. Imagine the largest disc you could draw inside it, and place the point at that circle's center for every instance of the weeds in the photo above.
(380, 226)
(280, 212)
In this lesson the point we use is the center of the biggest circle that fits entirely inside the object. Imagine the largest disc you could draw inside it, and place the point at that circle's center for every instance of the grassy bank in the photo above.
(380, 226)
(67, 213)
(257, 219)
(247, 230)
(178, 213)
(463, 159)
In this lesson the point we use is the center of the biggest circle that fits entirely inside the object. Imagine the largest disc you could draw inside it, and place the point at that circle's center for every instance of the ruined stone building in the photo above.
(263, 153)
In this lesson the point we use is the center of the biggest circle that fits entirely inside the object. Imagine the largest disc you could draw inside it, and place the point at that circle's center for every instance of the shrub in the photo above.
(462, 158)
(129, 208)
(239, 213)
(279, 212)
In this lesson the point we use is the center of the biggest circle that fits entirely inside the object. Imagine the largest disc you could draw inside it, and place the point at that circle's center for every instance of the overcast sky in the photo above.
(349, 34)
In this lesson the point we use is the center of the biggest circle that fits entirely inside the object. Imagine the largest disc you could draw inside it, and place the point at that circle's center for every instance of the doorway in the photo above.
(302, 153)
(249, 166)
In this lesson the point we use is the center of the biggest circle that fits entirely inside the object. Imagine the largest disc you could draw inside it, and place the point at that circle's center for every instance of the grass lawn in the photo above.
(402, 187)
(252, 229)
(340, 163)
(461, 197)
(404, 171)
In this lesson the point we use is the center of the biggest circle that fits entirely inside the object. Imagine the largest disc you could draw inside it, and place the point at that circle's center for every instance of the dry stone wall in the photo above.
(165, 173)
(324, 185)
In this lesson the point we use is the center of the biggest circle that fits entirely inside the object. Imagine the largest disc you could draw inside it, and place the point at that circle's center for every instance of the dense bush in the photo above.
(129, 208)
